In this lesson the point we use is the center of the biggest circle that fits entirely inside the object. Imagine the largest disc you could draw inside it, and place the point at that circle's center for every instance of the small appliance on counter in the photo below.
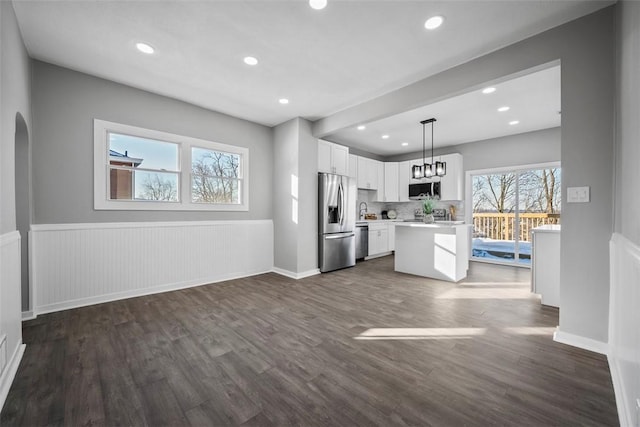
(383, 214)
(440, 214)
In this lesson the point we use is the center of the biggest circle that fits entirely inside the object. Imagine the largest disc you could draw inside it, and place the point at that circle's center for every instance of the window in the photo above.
(215, 176)
(142, 169)
(506, 205)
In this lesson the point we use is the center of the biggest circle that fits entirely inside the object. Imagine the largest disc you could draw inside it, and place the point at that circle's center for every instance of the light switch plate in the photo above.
(578, 195)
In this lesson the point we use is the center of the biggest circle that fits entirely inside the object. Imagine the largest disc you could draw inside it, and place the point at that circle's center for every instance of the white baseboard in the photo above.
(10, 373)
(624, 412)
(296, 276)
(624, 317)
(28, 315)
(580, 342)
(83, 302)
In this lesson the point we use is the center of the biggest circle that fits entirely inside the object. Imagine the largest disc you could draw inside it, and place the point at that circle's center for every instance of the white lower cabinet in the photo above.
(378, 241)
(381, 238)
(545, 264)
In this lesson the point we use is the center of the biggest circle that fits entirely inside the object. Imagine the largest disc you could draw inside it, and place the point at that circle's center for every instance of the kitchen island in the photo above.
(439, 251)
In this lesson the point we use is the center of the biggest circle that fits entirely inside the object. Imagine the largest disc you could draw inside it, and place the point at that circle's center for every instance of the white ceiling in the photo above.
(533, 100)
(322, 61)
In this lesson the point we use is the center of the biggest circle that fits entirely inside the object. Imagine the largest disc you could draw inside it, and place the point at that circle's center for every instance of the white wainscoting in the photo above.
(624, 327)
(11, 347)
(75, 265)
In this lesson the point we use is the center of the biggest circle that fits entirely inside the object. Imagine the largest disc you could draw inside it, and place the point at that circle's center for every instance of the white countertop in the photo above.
(367, 221)
(409, 222)
(441, 224)
(548, 228)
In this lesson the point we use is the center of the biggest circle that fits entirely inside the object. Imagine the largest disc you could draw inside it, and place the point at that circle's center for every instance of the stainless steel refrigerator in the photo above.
(336, 221)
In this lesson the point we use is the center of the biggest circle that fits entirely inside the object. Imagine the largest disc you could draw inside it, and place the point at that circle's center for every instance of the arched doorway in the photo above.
(23, 203)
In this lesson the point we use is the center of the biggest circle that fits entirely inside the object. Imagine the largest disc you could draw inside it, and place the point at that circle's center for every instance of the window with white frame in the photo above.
(143, 169)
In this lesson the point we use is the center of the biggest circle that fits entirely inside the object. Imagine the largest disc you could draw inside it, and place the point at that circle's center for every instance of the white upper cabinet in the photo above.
(353, 166)
(452, 184)
(368, 173)
(404, 179)
(391, 182)
(333, 158)
(380, 194)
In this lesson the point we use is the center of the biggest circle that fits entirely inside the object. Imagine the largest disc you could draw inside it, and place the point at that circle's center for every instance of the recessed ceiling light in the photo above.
(404, 144)
(503, 109)
(514, 122)
(318, 4)
(250, 60)
(145, 48)
(283, 101)
(362, 127)
(488, 90)
(385, 136)
(433, 22)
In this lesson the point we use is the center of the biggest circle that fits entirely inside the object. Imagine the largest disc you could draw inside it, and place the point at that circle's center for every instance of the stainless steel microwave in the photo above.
(422, 190)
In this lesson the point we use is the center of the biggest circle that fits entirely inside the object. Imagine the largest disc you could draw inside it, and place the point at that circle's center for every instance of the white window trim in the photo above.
(101, 167)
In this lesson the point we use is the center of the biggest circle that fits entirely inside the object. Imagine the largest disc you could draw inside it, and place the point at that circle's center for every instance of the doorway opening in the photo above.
(23, 204)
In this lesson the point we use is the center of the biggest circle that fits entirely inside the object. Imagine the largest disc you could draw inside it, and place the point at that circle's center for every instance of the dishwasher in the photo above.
(362, 240)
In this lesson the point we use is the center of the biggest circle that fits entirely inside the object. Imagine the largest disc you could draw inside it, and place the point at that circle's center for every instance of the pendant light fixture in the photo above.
(428, 170)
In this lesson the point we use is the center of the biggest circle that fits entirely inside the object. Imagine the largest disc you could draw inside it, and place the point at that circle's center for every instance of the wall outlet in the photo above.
(578, 194)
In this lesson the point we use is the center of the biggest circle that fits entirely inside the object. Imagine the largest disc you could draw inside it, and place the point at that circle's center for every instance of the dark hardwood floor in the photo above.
(363, 346)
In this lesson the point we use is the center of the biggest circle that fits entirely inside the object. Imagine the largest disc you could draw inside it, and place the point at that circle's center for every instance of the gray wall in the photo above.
(541, 146)
(14, 99)
(285, 151)
(526, 148)
(295, 216)
(627, 170)
(584, 48)
(65, 103)
(308, 198)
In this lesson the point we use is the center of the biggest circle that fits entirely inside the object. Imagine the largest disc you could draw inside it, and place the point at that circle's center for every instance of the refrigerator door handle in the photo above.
(340, 204)
(339, 236)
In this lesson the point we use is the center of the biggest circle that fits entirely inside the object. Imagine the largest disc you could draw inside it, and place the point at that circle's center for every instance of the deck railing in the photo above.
(501, 226)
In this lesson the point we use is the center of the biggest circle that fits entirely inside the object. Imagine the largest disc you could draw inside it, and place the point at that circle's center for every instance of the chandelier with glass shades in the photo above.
(428, 170)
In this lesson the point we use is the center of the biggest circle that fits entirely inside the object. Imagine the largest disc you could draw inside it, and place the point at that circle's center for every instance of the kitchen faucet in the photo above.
(362, 210)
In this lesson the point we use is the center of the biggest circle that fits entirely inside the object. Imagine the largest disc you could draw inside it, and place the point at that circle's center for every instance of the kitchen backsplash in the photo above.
(405, 210)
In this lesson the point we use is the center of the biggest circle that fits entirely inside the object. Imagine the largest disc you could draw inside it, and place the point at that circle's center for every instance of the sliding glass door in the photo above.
(506, 205)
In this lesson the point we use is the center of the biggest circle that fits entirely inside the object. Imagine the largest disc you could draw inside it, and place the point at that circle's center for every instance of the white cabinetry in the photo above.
(368, 173)
(353, 166)
(379, 195)
(391, 182)
(451, 185)
(404, 179)
(545, 264)
(378, 239)
(392, 236)
(333, 158)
